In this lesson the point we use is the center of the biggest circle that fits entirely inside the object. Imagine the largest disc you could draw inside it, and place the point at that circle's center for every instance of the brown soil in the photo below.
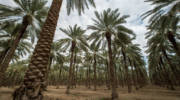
(82, 93)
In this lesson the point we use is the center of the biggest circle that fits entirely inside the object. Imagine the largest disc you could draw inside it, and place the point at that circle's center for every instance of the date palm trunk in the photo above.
(70, 68)
(121, 78)
(127, 73)
(87, 78)
(34, 79)
(108, 75)
(60, 72)
(133, 75)
(73, 71)
(10, 52)
(114, 95)
(89, 75)
(48, 70)
(116, 76)
(95, 76)
(76, 78)
(73, 77)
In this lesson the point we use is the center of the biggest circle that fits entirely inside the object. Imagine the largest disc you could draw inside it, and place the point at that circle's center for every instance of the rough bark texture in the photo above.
(34, 80)
(10, 53)
(127, 73)
(70, 68)
(48, 70)
(95, 76)
(114, 94)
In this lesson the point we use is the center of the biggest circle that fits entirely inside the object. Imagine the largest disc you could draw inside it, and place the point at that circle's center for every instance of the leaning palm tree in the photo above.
(165, 18)
(160, 56)
(77, 40)
(22, 50)
(106, 26)
(34, 80)
(31, 14)
(7, 38)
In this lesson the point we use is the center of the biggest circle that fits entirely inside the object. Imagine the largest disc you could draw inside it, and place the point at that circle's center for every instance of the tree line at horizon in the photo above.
(107, 56)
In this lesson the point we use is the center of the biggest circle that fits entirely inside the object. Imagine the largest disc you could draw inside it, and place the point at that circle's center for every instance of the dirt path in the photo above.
(82, 93)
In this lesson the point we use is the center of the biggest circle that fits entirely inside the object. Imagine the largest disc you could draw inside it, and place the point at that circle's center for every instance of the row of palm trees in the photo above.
(109, 45)
(163, 46)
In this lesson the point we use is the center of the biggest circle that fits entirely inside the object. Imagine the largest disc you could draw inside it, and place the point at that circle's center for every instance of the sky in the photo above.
(134, 8)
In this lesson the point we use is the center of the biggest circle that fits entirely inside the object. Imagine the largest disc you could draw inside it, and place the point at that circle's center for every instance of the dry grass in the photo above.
(82, 93)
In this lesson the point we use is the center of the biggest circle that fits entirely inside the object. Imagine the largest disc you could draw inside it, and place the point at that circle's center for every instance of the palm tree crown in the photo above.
(108, 21)
(75, 34)
(34, 11)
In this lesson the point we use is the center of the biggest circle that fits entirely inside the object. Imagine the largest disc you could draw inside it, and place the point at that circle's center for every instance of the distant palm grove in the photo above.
(102, 54)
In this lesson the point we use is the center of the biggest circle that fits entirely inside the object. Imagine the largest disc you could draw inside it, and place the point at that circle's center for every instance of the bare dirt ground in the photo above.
(82, 93)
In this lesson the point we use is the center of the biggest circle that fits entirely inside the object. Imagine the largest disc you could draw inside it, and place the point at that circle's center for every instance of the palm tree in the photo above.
(165, 18)
(78, 62)
(134, 56)
(159, 56)
(77, 39)
(122, 41)
(31, 14)
(106, 63)
(34, 82)
(6, 36)
(22, 49)
(94, 48)
(107, 25)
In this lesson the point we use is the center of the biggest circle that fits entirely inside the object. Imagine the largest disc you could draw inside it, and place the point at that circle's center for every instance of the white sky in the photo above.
(134, 8)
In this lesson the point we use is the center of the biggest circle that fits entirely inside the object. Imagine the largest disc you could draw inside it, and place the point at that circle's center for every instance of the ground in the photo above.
(82, 93)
